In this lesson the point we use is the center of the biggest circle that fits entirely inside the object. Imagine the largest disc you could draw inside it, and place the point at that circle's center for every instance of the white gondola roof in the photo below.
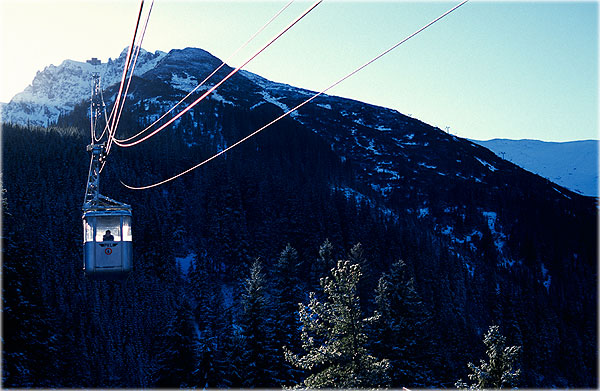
(103, 204)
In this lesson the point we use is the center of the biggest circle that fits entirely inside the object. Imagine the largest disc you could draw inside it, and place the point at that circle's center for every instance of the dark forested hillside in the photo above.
(449, 239)
(62, 330)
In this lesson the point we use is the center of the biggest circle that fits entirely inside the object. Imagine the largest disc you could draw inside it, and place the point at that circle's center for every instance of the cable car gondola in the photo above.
(107, 238)
(107, 241)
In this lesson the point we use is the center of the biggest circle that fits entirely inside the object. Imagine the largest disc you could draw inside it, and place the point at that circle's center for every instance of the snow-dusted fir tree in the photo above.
(334, 339)
(500, 371)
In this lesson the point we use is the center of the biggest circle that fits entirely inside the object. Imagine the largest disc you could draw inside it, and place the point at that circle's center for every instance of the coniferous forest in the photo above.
(257, 271)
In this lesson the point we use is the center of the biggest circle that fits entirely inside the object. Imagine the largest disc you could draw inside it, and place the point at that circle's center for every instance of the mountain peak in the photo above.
(56, 90)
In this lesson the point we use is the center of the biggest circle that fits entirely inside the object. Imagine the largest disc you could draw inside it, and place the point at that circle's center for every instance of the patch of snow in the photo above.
(547, 278)
(383, 128)
(470, 269)
(372, 148)
(499, 238)
(398, 142)
(393, 174)
(469, 237)
(486, 164)
(428, 166)
(386, 190)
(491, 220)
(219, 98)
(282, 88)
(326, 106)
(447, 230)
(507, 263)
(423, 212)
(185, 262)
(268, 98)
(185, 83)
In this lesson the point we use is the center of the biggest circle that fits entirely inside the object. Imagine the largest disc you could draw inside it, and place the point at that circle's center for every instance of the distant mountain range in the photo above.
(572, 164)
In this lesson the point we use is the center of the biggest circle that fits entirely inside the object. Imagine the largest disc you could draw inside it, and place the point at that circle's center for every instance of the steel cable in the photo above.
(137, 52)
(221, 82)
(297, 107)
(209, 76)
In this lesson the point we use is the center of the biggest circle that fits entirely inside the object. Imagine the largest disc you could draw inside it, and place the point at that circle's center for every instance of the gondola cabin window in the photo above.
(127, 237)
(88, 230)
(108, 228)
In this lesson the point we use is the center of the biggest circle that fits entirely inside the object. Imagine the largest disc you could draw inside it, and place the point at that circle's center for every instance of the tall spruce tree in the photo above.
(323, 263)
(499, 372)
(234, 347)
(256, 322)
(178, 354)
(286, 293)
(334, 339)
(400, 329)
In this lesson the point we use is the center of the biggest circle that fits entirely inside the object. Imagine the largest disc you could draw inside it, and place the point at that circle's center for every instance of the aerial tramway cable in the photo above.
(209, 91)
(112, 122)
(133, 63)
(125, 69)
(207, 77)
(298, 106)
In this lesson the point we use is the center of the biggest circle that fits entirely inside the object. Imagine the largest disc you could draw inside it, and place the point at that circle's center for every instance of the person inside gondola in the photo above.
(108, 237)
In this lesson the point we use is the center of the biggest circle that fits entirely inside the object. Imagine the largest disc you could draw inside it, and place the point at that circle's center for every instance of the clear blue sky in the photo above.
(489, 70)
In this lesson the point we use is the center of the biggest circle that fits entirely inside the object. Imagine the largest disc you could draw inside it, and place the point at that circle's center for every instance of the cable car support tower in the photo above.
(93, 199)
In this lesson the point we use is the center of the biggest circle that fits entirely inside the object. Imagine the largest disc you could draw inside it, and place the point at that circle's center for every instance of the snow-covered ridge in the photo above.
(57, 89)
(572, 164)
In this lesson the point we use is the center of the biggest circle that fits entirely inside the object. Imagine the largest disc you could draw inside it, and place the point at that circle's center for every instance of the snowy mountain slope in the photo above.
(57, 89)
(573, 164)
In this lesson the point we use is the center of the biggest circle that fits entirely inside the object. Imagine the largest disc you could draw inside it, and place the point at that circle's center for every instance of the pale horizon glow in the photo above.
(516, 70)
